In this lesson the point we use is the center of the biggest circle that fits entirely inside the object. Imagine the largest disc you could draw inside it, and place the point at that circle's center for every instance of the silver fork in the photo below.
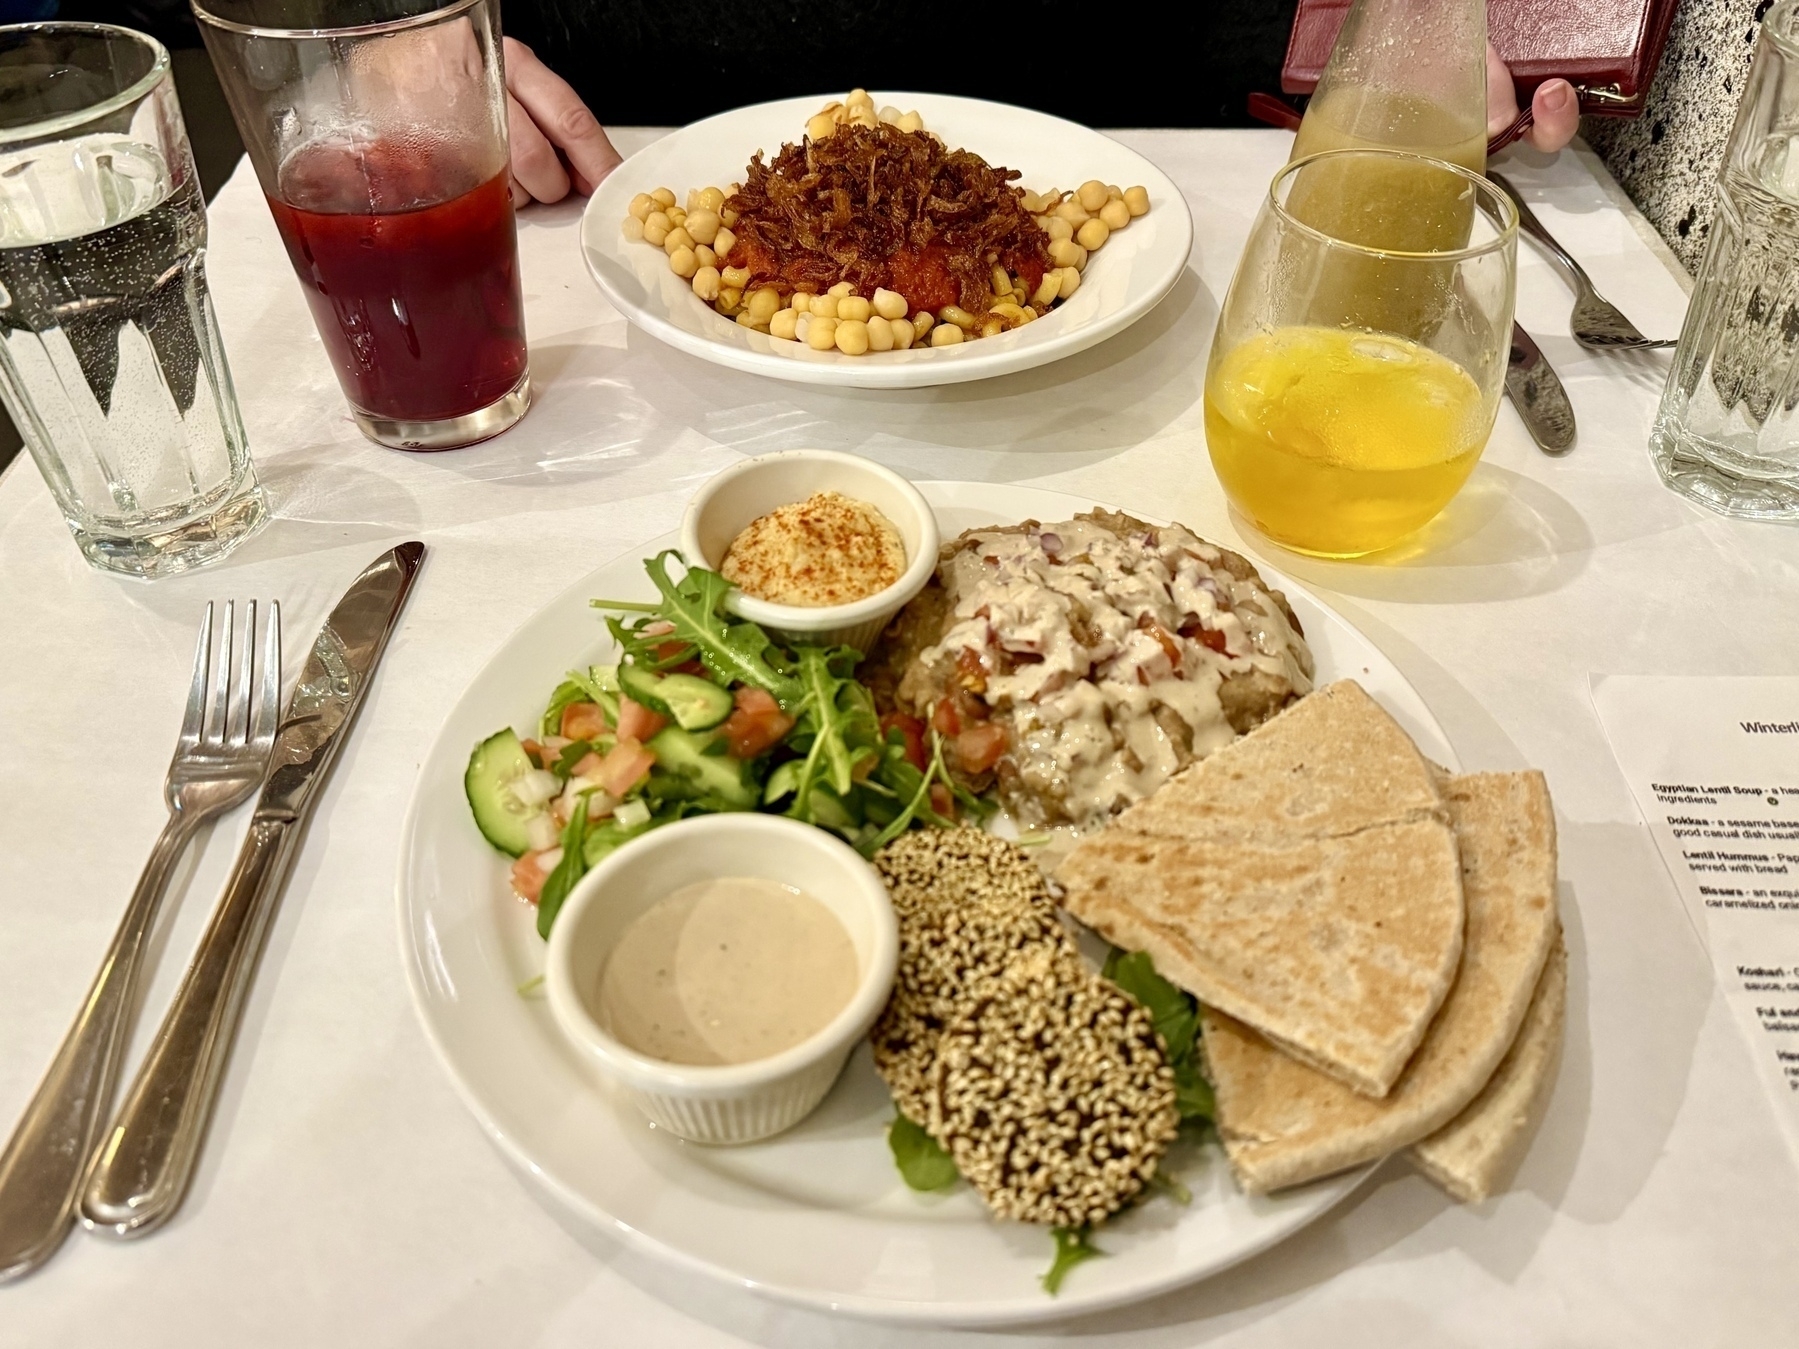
(1596, 322)
(220, 759)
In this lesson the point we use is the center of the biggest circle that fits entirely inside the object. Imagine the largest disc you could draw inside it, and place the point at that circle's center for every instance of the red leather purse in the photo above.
(1607, 49)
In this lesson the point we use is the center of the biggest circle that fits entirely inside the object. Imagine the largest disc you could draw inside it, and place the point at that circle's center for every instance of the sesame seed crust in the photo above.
(1046, 1084)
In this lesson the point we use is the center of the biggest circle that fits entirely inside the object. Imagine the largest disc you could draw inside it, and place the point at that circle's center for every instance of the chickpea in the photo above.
(784, 324)
(712, 199)
(723, 243)
(819, 127)
(1063, 252)
(890, 304)
(890, 115)
(902, 333)
(1047, 289)
(656, 228)
(852, 337)
(745, 319)
(825, 306)
(764, 303)
(821, 334)
(703, 226)
(678, 237)
(880, 334)
(1093, 234)
(854, 309)
(663, 198)
(632, 229)
(729, 299)
(1091, 195)
(945, 335)
(693, 200)
(956, 316)
(1059, 228)
(841, 289)
(706, 256)
(676, 216)
(728, 216)
(801, 302)
(1116, 215)
(865, 117)
(922, 322)
(705, 283)
(1071, 282)
(911, 122)
(1032, 202)
(858, 96)
(641, 206)
(683, 263)
(737, 276)
(1073, 212)
(1137, 200)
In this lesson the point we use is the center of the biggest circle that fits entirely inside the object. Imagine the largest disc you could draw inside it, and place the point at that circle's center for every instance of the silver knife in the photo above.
(142, 1169)
(1537, 392)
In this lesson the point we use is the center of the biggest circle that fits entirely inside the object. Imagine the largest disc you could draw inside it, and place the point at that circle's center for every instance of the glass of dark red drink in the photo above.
(378, 131)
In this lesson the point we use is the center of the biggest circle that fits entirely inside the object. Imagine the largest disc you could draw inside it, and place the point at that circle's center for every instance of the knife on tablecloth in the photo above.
(142, 1169)
(1537, 392)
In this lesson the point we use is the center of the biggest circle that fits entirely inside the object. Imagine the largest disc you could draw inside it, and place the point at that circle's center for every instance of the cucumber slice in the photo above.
(498, 762)
(696, 704)
(685, 755)
(640, 685)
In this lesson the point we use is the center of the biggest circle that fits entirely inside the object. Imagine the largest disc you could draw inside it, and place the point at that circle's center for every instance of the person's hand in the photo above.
(555, 139)
(1555, 107)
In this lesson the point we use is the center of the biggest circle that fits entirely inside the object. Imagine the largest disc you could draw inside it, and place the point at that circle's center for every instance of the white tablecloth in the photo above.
(346, 1197)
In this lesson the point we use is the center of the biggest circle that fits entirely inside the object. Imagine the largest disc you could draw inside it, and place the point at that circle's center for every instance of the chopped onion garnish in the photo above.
(536, 786)
(542, 832)
(1052, 543)
(547, 862)
(599, 805)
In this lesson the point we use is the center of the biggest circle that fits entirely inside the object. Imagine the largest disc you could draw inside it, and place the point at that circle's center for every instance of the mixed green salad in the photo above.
(701, 713)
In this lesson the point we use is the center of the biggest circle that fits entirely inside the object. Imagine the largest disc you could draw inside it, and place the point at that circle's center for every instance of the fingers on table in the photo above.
(537, 173)
(558, 120)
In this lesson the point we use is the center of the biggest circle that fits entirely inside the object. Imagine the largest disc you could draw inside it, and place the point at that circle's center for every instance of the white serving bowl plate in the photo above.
(733, 1103)
(754, 487)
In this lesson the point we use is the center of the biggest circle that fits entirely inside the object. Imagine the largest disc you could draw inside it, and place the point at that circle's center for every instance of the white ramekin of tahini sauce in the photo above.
(718, 971)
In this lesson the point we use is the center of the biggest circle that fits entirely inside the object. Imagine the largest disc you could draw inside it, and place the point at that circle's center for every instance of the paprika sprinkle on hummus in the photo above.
(828, 549)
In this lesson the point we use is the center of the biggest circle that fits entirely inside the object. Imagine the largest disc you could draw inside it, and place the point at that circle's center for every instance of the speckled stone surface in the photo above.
(1667, 159)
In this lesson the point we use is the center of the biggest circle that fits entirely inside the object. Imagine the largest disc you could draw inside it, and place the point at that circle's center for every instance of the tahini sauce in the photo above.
(726, 971)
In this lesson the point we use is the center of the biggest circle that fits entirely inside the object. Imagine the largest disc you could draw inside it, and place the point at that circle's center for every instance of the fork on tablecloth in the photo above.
(220, 758)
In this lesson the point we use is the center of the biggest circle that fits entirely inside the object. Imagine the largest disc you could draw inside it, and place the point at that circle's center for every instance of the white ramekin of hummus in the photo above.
(755, 488)
(719, 1102)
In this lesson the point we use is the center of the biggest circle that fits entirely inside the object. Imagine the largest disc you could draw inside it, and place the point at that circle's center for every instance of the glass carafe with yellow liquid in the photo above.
(1360, 353)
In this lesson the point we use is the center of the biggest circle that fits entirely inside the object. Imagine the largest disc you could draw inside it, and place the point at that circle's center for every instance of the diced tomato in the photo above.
(945, 717)
(626, 764)
(588, 765)
(1164, 639)
(1206, 637)
(669, 650)
(943, 800)
(528, 876)
(696, 668)
(637, 722)
(913, 730)
(979, 746)
(756, 725)
(583, 721)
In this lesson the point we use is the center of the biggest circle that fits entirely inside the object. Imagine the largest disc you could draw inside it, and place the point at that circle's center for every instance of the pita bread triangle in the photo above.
(1303, 880)
(1475, 1153)
(1284, 1123)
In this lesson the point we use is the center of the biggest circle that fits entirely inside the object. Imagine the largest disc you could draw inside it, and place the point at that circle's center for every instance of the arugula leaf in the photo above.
(1175, 1013)
(570, 869)
(735, 652)
(571, 755)
(922, 1162)
(1073, 1245)
(568, 692)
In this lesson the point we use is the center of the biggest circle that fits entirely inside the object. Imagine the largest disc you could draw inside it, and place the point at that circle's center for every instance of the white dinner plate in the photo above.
(816, 1216)
(1123, 281)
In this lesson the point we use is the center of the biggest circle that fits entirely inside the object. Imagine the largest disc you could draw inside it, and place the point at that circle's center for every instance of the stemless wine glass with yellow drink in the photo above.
(1360, 354)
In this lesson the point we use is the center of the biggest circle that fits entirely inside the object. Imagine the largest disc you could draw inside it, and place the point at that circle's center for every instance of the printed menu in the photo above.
(1714, 766)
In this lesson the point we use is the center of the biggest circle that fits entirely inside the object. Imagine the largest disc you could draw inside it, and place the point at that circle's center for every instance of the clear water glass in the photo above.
(110, 360)
(1727, 434)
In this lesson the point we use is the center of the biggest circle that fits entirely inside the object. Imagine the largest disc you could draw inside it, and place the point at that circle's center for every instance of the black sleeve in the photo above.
(671, 61)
